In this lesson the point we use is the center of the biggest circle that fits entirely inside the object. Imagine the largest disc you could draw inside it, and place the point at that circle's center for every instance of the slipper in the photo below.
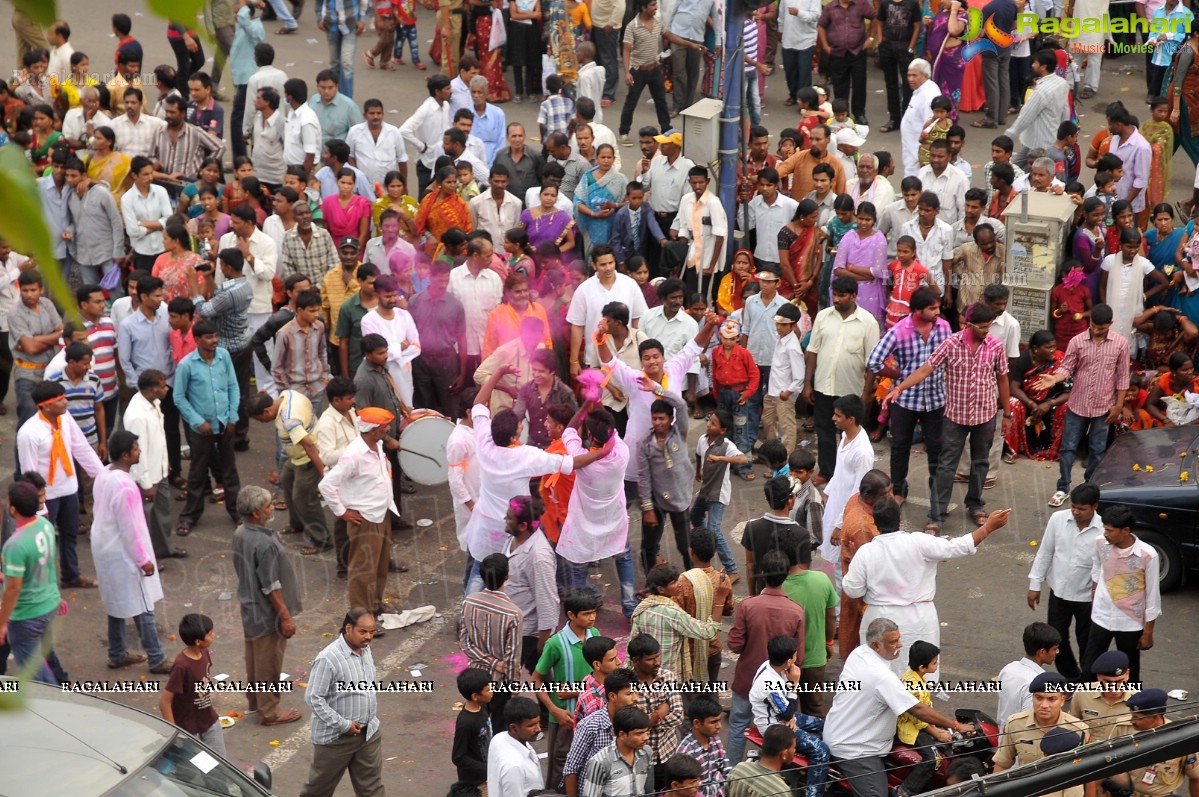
(286, 31)
(397, 567)
(979, 517)
(749, 477)
(183, 530)
(421, 67)
(933, 529)
(878, 434)
(984, 125)
(887, 128)
(130, 659)
(82, 582)
(370, 59)
(179, 483)
(291, 530)
(291, 715)
(280, 505)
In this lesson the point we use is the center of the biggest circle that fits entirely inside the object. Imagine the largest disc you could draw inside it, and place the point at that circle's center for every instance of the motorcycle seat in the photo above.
(754, 735)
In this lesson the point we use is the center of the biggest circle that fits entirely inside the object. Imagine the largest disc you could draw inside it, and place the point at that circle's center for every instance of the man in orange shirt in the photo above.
(857, 529)
(801, 164)
(556, 489)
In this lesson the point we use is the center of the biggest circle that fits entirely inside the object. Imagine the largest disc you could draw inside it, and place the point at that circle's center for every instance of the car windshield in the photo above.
(185, 769)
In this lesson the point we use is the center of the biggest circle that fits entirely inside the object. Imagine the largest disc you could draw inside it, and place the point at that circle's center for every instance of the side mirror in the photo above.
(262, 775)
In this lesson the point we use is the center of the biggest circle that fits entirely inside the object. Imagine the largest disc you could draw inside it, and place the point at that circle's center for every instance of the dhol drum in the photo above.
(423, 436)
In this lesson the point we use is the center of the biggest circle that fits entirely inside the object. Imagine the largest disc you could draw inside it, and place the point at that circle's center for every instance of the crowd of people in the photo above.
(573, 322)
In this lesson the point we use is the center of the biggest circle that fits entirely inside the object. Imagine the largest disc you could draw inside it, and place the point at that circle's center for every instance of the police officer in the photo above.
(1102, 704)
(1025, 730)
(1148, 709)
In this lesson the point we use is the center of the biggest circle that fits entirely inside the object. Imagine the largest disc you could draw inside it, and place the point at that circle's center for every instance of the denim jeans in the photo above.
(26, 639)
(953, 442)
(1096, 430)
(713, 522)
(797, 66)
(808, 742)
(342, 49)
(730, 400)
(576, 578)
(213, 739)
(753, 418)
(741, 716)
(26, 409)
(148, 632)
(64, 514)
(407, 33)
(753, 98)
(282, 9)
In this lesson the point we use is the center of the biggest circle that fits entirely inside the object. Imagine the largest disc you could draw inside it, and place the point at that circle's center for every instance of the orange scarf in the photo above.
(58, 450)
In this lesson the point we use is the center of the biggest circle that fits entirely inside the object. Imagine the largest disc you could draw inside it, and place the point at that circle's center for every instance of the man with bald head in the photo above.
(79, 125)
(918, 113)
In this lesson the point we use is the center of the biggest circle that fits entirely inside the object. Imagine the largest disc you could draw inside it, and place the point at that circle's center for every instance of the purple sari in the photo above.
(870, 253)
(549, 228)
(948, 67)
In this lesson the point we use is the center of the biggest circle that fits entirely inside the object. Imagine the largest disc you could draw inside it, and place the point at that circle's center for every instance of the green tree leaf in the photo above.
(43, 12)
(183, 11)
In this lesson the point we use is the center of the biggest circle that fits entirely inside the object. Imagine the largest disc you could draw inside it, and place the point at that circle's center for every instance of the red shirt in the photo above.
(756, 621)
(735, 371)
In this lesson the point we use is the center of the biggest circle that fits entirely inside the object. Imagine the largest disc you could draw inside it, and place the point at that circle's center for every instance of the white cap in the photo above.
(849, 137)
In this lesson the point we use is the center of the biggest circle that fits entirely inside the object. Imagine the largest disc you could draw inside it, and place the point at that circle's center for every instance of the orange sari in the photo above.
(439, 213)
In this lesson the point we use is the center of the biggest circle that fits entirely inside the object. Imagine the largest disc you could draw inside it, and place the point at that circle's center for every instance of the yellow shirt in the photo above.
(907, 726)
(334, 292)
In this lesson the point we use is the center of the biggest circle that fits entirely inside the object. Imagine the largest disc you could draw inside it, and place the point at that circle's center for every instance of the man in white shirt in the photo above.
(335, 430)
(268, 139)
(934, 241)
(860, 725)
(591, 78)
(587, 305)
(80, 124)
(1048, 106)
(396, 326)
(468, 68)
(495, 210)
(135, 131)
(267, 76)
(896, 574)
(945, 180)
(377, 147)
(480, 290)
(786, 379)
(797, 29)
(769, 211)
(1064, 560)
(665, 178)
(513, 767)
(61, 50)
(701, 221)
(585, 114)
(972, 216)
(261, 258)
(302, 135)
(144, 418)
(425, 128)
(463, 475)
(893, 216)
(667, 323)
(1041, 642)
(918, 113)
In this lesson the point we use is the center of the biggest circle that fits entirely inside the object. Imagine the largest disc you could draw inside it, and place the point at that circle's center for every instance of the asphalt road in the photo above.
(981, 599)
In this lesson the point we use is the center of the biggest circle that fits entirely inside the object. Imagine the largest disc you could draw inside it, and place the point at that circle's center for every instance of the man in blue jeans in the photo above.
(342, 22)
(1097, 361)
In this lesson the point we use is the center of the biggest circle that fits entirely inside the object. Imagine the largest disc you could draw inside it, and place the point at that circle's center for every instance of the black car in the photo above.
(1164, 500)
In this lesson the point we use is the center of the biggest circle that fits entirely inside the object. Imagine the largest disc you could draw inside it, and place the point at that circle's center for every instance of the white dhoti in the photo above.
(916, 621)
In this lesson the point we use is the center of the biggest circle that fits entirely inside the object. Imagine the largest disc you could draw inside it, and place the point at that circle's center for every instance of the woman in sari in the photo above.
(1169, 332)
(599, 195)
(106, 165)
(520, 253)
(1122, 219)
(1186, 298)
(491, 62)
(347, 214)
(1090, 243)
(1160, 135)
(1178, 380)
(862, 254)
(799, 257)
(546, 224)
(441, 210)
(728, 295)
(1183, 94)
(397, 199)
(1166, 244)
(1038, 416)
(503, 323)
(945, 51)
(44, 137)
(176, 267)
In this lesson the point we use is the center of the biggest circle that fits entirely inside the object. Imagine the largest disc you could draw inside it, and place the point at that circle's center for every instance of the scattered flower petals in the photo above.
(1149, 469)
(1136, 467)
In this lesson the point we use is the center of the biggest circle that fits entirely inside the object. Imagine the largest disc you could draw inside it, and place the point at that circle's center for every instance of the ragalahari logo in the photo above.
(983, 38)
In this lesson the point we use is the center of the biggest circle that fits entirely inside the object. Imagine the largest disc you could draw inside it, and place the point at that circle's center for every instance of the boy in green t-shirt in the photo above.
(562, 662)
(31, 597)
(814, 591)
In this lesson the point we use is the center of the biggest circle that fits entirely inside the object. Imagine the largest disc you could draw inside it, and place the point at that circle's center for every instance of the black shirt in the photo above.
(472, 735)
(898, 19)
(1004, 12)
(772, 533)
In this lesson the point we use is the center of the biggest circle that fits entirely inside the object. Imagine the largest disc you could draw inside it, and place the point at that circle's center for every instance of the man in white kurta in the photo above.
(918, 112)
(124, 557)
(463, 475)
(855, 456)
(396, 325)
(597, 523)
(896, 574)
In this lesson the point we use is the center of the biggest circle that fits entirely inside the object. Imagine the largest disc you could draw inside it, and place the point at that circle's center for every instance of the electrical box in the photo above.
(701, 132)
(1038, 227)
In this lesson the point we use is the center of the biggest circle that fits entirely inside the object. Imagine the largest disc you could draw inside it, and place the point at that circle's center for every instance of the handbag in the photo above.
(499, 34)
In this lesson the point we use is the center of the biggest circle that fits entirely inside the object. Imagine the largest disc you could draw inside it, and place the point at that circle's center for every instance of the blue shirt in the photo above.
(690, 19)
(58, 217)
(143, 344)
(910, 351)
(241, 53)
(1178, 22)
(757, 324)
(207, 391)
(337, 117)
(491, 130)
(343, 15)
(328, 180)
(229, 309)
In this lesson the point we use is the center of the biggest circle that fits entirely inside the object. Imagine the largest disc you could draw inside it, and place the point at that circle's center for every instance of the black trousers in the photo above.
(917, 780)
(170, 420)
(903, 426)
(894, 59)
(651, 537)
(187, 63)
(6, 365)
(849, 72)
(1099, 639)
(431, 379)
(826, 434)
(1061, 613)
(243, 367)
(206, 450)
(651, 77)
(236, 115)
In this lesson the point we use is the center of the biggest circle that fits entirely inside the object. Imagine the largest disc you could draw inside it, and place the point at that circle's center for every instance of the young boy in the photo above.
(714, 454)
(472, 727)
(600, 651)
(936, 128)
(406, 31)
(625, 766)
(84, 395)
(841, 118)
(555, 493)
(1067, 158)
(187, 697)
(72, 332)
(809, 505)
(735, 380)
(703, 743)
(468, 187)
(626, 241)
(923, 658)
(1001, 152)
(562, 660)
(557, 110)
(665, 478)
(786, 380)
(181, 313)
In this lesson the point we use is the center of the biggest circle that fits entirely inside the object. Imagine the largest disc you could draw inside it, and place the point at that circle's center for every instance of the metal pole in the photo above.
(730, 120)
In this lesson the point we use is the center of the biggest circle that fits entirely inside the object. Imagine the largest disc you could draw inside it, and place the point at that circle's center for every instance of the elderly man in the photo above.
(490, 122)
(269, 597)
(1048, 106)
(869, 185)
(918, 113)
(857, 730)
(80, 124)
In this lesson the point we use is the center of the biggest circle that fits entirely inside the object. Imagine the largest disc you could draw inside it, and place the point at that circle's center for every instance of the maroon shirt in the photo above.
(191, 704)
(758, 620)
(845, 28)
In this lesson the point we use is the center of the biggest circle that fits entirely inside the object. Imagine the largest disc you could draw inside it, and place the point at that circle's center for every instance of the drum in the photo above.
(423, 436)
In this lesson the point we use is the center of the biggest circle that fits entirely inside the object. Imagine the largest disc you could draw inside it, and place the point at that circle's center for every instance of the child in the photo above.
(713, 455)
(1002, 190)
(809, 505)
(703, 743)
(71, 333)
(122, 28)
(638, 269)
(468, 189)
(1160, 135)
(557, 110)
(835, 228)
(841, 118)
(907, 274)
(84, 395)
(809, 111)
(784, 384)
(825, 110)
(663, 454)
(627, 242)
(472, 727)
(788, 143)
(728, 296)
(1071, 303)
(406, 32)
(922, 737)
(385, 28)
(600, 651)
(187, 697)
(1067, 158)
(936, 128)
(775, 454)
(1104, 190)
(773, 698)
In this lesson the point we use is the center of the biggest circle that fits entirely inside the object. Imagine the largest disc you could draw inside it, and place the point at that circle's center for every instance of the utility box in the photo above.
(701, 132)
(1038, 228)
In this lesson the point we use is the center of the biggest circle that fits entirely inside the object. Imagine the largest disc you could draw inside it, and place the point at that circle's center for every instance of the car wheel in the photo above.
(1170, 560)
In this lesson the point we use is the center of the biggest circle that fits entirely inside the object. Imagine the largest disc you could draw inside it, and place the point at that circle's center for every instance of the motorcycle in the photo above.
(980, 743)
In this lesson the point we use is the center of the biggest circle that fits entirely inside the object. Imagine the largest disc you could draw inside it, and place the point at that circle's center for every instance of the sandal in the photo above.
(183, 530)
(984, 125)
(280, 505)
(887, 128)
(291, 530)
(129, 660)
(979, 517)
(370, 59)
(312, 550)
(291, 715)
(749, 477)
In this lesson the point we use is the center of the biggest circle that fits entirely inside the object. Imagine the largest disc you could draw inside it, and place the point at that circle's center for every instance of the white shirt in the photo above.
(121, 545)
(268, 140)
(10, 271)
(334, 433)
(266, 77)
(861, 722)
(427, 127)
(463, 476)
(260, 273)
(587, 304)
(918, 112)
(379, 255)
(960, 236)
(479, 296)
(849, 164)
(597, 523)
(768, 220)
(716, 224)
(787, 368)
(504, 474)
(934, 249)
(666, 183)
(1014, 679)
(950, 187)
(672, 333)
(1064, 557)
(485, 214)
(513, 768)
(563, 202)
(900, 568)
(1006, 329)
(60, 61)
(591, 84)
(891, 218)
(768, 681)
(798, 30)
(302, 136)
(360, 480)
(727, 449)
(879, 193)
(964, 165)
(376, 156)
(400, 329)
(34, 439)
(73, 126)
(854, 458)
(1023, 185)
(135, 208)
(1104, 611)
(136, 138)
(145, 419)
(459, 96)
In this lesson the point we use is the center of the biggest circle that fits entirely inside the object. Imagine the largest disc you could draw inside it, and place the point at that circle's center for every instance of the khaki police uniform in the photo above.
(1101, 717)
(1165, 778)
(451, 48)
(1021, 743)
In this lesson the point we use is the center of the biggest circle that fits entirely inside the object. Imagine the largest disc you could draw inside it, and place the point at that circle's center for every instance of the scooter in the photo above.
(980, 743)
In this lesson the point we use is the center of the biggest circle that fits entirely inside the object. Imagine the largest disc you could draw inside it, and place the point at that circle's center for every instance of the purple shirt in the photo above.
(870, 253)
(845, 28)
(1136, 154)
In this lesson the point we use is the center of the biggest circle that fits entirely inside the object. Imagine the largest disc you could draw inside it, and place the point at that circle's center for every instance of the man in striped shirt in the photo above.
(84, 395)
(490, 629)
(595, 732)
(102, 337)
(622, 767)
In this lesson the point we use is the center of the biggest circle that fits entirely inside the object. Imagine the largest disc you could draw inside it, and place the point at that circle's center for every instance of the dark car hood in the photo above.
(1159, 448)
